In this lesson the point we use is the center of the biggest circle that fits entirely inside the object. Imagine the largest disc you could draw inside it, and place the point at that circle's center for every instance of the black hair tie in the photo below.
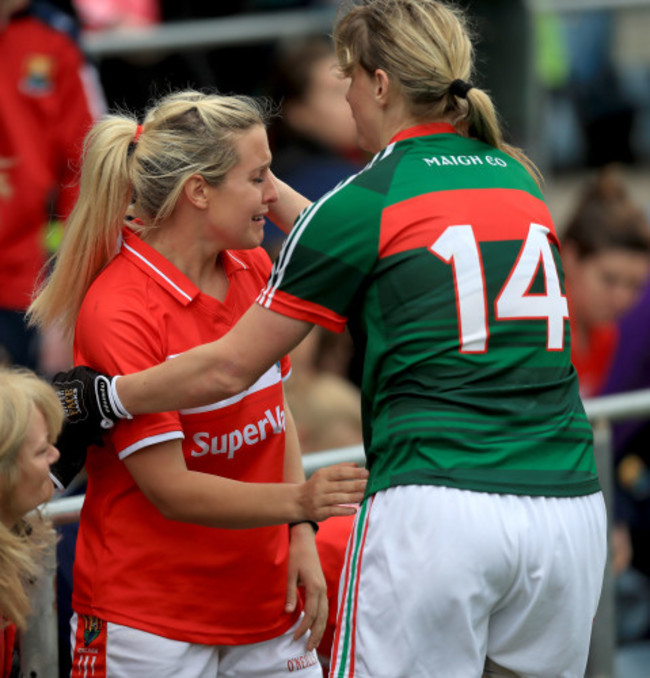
(459, 88)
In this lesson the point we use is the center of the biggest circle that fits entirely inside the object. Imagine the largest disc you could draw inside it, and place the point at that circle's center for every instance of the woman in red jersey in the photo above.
(606, 258)
(30, 420)
(167, 581)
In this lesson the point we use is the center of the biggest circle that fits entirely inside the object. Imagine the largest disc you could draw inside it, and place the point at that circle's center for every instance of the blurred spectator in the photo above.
(30, 421)
(314, 145)
(49, 96)
(631, 366)
(327, 411)
(314, 148)
(606, 259)
(314, 139)
(606, 255)
(326, 405)
(631, 372)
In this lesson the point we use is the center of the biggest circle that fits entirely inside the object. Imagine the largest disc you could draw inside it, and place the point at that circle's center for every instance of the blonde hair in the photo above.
(22, 545)
(424, 46)
(185, 133)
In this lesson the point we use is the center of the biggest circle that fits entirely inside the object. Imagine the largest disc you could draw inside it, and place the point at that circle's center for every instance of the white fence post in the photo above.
(39, 642)
(603, 637)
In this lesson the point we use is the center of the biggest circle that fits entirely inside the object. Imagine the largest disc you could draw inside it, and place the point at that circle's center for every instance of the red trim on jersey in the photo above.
(301, 309)
(494, 214)
(155, 265)
(424, 130)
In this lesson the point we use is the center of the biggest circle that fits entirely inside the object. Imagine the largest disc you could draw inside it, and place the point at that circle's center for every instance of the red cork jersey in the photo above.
(132, 566)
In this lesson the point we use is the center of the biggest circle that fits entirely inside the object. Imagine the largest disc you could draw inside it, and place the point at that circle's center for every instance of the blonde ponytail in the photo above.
(93, 228)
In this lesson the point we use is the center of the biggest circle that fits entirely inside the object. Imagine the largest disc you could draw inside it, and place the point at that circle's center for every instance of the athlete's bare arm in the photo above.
(289, 204)
(205, 499)
(304, 563)
(217, 370)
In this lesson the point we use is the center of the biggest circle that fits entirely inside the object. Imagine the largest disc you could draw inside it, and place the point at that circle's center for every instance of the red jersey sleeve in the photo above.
(121, 338)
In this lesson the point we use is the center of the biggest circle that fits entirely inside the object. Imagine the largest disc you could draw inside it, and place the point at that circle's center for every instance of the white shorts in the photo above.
(438, 579)
(107, 650)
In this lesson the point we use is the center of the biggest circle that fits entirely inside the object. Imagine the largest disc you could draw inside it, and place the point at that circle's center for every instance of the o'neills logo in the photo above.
(302, 662)
(251, 434)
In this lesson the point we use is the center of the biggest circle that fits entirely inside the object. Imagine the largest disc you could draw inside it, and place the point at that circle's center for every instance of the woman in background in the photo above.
(30, 421)
(606, 259)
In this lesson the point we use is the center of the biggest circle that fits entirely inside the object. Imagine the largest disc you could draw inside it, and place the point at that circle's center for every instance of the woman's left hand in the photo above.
(305, 571)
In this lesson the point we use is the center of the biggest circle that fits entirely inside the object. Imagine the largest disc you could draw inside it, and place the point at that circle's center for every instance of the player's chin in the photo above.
(256, 233)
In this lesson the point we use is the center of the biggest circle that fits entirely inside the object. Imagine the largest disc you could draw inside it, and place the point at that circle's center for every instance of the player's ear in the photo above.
(196, 191)
(382, 87)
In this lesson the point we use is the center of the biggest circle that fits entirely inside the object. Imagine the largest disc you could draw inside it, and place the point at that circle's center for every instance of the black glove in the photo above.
(91, 407)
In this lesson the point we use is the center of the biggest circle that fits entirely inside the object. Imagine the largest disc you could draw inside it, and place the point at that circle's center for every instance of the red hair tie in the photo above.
(138, 132)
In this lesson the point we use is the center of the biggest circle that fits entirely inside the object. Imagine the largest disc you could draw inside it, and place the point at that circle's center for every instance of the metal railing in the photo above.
(40, 641)
(250, 29)
(183, 36)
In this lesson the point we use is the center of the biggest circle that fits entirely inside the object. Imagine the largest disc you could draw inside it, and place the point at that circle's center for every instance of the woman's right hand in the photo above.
(332, 490)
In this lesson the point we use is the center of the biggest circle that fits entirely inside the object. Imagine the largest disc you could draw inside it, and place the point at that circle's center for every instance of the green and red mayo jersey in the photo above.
(133, 566)
(442, 257)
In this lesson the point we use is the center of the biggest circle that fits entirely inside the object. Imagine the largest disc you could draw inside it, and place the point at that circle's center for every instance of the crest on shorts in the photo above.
(92, 629)
(38, 78)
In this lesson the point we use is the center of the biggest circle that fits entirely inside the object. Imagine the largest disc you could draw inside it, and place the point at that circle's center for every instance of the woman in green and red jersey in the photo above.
(481, 541)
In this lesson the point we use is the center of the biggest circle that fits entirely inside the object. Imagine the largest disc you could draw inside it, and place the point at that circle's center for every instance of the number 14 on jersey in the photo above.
(458, 247)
